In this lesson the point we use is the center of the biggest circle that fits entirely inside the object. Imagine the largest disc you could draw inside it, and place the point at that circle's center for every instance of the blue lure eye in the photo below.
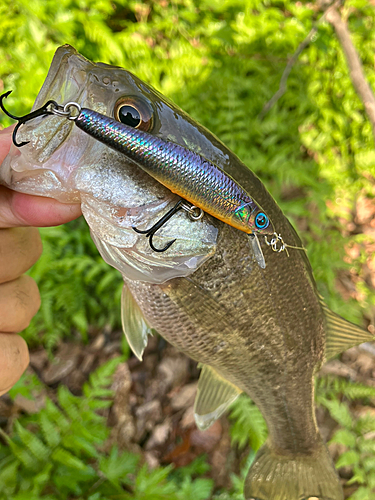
(261, 220)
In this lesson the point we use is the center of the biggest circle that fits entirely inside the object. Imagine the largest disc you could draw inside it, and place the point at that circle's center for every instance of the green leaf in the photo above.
(64, 457)
(363, 493)
(350, 457)
(200, 489)
(32, 443)
(339, 412)
(8, 476)
(117, 467)
(248, 424)
(345, 437)
(50, 431)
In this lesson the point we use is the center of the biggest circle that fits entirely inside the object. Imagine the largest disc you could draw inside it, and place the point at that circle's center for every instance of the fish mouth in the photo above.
(65, 82)
(45, 166)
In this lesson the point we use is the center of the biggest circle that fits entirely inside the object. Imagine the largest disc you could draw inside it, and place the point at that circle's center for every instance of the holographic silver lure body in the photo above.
(184, 172)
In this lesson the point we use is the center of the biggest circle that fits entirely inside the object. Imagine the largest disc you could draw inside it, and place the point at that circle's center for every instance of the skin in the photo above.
(20, 248)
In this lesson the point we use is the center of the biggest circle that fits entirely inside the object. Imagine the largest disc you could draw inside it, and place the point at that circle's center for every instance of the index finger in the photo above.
(18, 209)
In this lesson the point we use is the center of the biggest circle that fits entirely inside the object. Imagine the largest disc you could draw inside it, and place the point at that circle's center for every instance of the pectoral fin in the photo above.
(214, 396)
(134, 324)
(342, 334)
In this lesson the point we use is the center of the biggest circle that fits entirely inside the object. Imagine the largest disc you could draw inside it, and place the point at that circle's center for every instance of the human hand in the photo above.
(20, 248)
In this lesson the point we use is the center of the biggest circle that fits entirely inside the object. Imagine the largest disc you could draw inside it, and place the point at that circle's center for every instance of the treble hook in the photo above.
(150, 232)
(23, 119)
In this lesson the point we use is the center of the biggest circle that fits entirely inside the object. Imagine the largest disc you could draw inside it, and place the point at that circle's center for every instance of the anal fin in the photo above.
(342, 334)
(214, 396)
(134, 324)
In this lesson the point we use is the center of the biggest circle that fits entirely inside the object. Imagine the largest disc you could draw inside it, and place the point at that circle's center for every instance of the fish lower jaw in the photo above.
(38, 182)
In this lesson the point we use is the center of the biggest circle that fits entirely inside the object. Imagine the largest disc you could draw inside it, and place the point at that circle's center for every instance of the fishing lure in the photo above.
(186, 173)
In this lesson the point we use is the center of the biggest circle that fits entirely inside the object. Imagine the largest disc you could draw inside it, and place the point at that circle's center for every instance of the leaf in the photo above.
(64, 457)
(68, 403)
(340, 412)
(344, 436)
(77, 444)
(249, 425)
(50, 431)
(350, 457)
(152, 485)
(362, 493)
(8, 476)
(117, 467)
(200, 489)
(32, 443)
(56, 416)
(369, 463)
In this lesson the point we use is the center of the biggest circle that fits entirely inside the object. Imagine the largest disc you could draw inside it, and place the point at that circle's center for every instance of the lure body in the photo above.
(184, 172)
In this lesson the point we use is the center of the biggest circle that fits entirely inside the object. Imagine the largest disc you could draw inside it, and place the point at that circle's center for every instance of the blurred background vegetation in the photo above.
(221, 61)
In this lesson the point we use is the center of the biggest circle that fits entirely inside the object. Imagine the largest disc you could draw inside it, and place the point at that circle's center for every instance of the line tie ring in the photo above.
(65, 110)
(195, 213)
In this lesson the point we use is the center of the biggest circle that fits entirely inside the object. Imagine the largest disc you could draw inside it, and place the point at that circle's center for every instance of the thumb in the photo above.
(17, 209)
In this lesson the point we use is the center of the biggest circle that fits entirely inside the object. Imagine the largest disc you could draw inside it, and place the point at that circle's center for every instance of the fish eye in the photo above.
(261, 220)
(134, 112)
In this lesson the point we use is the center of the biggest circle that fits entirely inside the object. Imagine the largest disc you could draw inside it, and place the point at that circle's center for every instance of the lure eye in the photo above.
(261, 220)
(134, 112)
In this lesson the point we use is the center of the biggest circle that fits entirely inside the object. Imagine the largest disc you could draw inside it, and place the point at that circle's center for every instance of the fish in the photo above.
(262, 332)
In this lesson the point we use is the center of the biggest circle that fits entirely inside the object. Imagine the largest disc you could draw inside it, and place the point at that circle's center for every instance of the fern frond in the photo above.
(249, 426)
(35, 446)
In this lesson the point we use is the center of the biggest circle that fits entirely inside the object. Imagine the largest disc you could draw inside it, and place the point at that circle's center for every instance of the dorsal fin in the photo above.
(341, 334)
(214, 395)
(134, 324)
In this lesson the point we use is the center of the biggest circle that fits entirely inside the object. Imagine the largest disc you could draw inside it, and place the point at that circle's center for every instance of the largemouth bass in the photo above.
(264, 332)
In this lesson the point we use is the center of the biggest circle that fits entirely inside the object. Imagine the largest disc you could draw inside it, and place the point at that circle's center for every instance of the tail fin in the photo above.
(277, 477)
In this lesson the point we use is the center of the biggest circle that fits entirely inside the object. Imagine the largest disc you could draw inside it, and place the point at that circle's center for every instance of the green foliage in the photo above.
(356, 433)
(248, 425)
(220, 60)
(59, 453)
